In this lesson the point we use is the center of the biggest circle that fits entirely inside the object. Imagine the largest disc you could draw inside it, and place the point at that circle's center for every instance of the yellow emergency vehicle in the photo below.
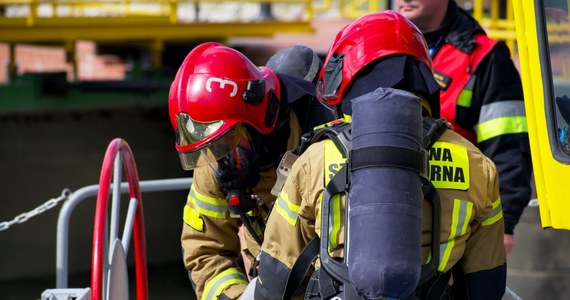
(543, 38)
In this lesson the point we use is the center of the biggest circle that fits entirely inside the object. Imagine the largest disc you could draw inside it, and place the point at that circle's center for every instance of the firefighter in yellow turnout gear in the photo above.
(368, 65)
(233, 120)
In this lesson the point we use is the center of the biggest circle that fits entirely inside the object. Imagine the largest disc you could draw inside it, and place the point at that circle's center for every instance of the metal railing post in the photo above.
(62, 243)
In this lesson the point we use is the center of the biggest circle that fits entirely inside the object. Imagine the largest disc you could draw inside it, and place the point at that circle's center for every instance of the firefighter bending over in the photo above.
(379, 243)
(233, 121)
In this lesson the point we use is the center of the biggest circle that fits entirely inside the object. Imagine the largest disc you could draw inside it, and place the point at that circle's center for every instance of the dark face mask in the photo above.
(239, 169)
(238, 173)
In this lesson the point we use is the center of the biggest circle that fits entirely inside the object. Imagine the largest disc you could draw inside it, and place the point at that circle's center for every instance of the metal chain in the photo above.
(23, 217)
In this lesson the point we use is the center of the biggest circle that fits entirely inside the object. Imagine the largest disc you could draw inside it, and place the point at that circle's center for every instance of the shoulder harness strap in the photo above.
(340, 134)
(338, 131)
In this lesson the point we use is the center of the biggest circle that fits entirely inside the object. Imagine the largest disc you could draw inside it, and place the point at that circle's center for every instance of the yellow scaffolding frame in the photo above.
(147, 23)
(155, 21)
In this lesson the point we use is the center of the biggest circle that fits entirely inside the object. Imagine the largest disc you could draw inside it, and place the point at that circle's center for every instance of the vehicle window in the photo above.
(558, 52)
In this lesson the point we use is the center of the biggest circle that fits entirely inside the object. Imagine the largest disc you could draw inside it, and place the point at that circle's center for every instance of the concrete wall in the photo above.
(42, 155)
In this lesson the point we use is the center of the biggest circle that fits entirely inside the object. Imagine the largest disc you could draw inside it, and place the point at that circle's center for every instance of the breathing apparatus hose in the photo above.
(240, 202)
(385, 198)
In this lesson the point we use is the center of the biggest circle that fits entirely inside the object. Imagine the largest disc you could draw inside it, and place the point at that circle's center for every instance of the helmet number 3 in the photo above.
(223, 83)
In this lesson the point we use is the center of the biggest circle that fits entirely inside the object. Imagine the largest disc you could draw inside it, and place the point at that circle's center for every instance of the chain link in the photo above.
(23, 217)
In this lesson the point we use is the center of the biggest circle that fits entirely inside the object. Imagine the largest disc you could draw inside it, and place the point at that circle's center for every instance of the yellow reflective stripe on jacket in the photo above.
(493, 128)
(286, 209)
(192, 218)
(495, 215)
(466, 95)
(462, 211)
(216, 285)
(503, 117)
(464, 98)
(333, 162)
(344, 119)
(335, 221)
(207, 206)
(449, 166)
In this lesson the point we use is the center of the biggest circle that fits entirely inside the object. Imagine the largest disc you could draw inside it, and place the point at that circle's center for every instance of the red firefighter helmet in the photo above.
(216, 91)
(363, 41)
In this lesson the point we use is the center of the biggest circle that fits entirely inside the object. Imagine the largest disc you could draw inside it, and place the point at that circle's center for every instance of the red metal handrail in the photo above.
(116, 146)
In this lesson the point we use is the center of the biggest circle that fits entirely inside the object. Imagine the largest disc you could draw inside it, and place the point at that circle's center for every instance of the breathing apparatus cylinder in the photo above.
(385, 201)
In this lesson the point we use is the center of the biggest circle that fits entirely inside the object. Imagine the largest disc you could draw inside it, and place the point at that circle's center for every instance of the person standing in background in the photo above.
(481, 95)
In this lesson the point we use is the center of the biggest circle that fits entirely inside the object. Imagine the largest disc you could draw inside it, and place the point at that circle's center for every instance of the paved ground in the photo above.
(165, 282)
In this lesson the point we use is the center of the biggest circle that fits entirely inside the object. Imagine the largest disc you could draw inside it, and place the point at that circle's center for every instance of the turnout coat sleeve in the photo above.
(210, 241)
(472, 219)
(478, 248)
(499, 89)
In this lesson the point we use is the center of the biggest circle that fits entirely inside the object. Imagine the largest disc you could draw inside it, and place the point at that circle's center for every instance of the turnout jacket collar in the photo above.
(458, 29)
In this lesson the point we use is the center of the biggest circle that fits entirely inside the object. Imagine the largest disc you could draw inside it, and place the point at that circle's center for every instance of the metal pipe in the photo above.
(83, 193)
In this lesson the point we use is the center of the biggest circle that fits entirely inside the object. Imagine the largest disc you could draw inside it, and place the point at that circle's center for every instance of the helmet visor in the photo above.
(190, 131)
(323, 97)
(210, 152)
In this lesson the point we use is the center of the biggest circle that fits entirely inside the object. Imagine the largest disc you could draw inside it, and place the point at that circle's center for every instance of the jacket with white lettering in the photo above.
(210, 241)
(471, 216)
(482, 97)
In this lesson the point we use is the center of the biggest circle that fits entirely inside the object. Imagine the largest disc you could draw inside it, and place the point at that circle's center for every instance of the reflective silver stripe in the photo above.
(496, 119)
(287, 209)
(462, 211)
(217, 285)
(208, 206)
(312, 73)
(495, 215)
(501, 109)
